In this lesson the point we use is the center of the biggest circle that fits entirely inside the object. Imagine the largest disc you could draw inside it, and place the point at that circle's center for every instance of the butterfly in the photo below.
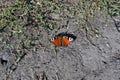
(63, 39)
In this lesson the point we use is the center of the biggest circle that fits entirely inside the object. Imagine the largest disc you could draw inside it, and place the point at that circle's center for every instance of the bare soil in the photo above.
(94, 55)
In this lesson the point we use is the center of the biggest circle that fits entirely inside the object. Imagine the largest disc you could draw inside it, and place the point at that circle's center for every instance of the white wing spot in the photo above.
(70, 39)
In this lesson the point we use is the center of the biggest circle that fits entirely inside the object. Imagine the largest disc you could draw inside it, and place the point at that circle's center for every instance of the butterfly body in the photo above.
(63, 39)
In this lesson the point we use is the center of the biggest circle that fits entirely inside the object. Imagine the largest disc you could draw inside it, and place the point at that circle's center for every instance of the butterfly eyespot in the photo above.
(70, 39)
(52, 39)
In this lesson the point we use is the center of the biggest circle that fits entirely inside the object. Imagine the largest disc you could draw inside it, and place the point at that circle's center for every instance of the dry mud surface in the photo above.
(95, 57)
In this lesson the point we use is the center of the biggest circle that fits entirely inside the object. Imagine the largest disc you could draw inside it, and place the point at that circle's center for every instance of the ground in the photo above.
(27, 27)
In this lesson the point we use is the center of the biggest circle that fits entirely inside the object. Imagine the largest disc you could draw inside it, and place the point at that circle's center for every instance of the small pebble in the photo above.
(4, 58)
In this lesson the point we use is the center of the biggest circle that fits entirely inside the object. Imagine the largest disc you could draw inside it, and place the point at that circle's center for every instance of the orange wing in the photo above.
(57, 41)
(65, 41)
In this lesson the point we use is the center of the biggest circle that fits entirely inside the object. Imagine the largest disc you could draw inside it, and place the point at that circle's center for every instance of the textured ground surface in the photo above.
(94, 55)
